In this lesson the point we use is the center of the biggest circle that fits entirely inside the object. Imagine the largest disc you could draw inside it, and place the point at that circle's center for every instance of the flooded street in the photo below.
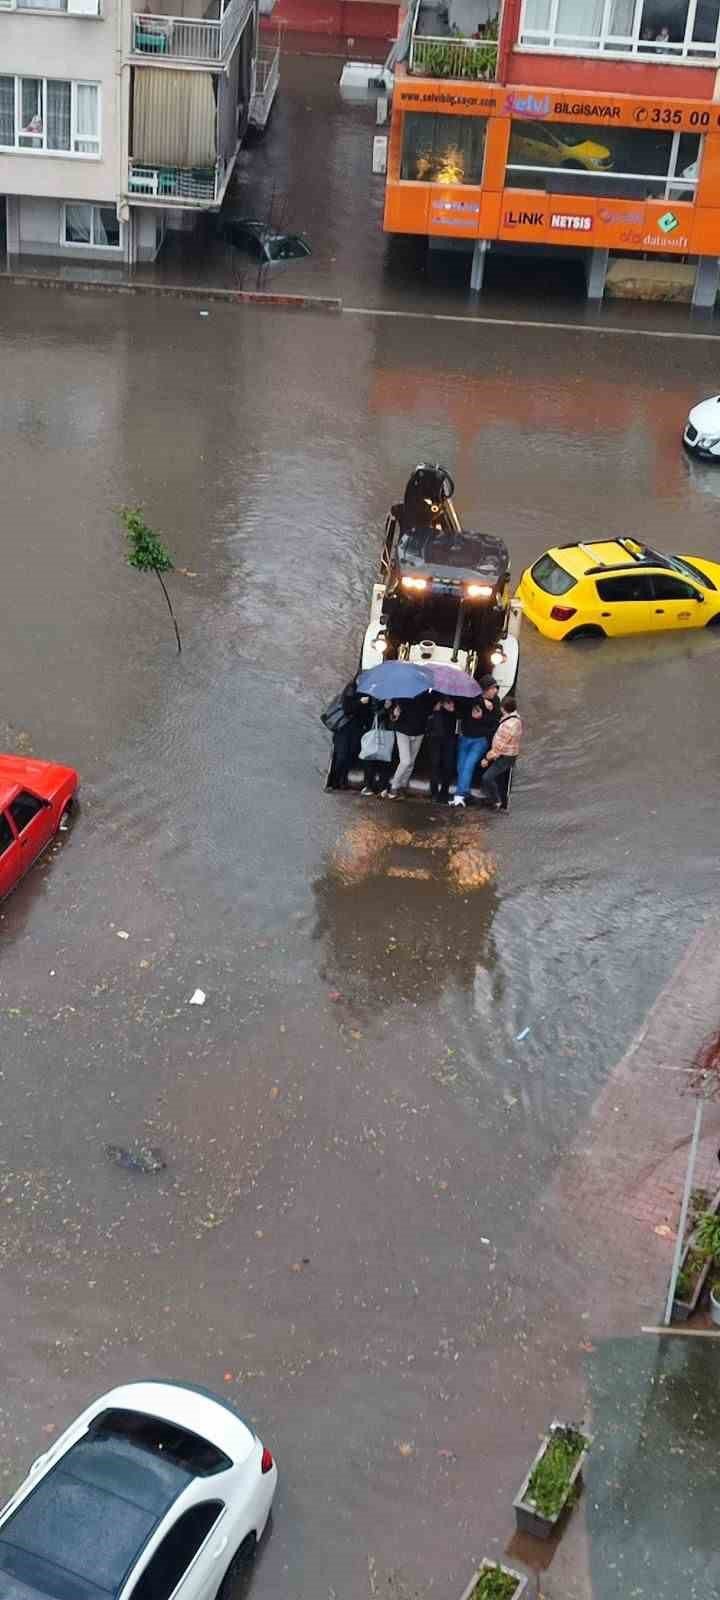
(357, 1143)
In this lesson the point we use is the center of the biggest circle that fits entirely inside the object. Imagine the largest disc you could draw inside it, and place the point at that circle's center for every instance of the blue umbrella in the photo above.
(394, 680)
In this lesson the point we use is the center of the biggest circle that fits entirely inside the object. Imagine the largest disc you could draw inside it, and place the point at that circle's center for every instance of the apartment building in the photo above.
(115, 124)
(586, 126)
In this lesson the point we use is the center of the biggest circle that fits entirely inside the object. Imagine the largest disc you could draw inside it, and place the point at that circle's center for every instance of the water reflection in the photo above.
(405, 907)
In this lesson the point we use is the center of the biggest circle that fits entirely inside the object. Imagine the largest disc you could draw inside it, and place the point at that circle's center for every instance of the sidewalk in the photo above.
(624, 1183)
(645, 1524)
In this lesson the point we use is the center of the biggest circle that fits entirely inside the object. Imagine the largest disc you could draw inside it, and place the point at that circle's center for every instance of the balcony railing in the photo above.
(267, 77)
(177, 186)
(204, 41)
(433, 57)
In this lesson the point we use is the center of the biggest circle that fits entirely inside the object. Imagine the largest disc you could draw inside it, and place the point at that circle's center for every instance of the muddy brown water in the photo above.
(353, 1131)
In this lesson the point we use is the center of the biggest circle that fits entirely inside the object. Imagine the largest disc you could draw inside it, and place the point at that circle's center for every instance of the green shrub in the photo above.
(549, 1480)
(494, 1584)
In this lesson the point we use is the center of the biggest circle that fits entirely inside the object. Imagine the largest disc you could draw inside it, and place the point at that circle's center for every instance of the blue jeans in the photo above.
(470, 752)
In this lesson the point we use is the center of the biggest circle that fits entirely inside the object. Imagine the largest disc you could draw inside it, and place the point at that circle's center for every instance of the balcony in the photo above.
(197, 41)
(188, 188)
(267, 78)
(455, 40)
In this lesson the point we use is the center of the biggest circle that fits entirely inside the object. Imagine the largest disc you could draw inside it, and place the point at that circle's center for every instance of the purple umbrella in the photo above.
(451, 681)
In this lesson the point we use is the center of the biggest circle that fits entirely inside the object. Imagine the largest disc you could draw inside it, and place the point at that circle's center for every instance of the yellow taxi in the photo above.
(605, 587)
(537, 144)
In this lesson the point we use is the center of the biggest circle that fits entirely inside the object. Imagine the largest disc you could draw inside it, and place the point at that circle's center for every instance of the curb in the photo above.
(291, 302)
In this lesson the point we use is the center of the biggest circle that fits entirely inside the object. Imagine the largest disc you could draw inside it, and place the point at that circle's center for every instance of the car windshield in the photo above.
(473, 553)
(689, 571)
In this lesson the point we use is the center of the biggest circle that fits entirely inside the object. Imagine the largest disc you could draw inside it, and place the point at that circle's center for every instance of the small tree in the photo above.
(147, 553)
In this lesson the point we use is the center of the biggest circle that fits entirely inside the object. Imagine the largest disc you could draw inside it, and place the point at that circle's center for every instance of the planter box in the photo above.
(527, 1517)
(521, 1582)
(682, 1309)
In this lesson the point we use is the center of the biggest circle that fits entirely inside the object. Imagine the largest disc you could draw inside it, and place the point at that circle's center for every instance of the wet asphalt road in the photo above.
(355, 1139)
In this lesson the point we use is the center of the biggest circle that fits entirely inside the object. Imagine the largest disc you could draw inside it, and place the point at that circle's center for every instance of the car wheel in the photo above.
(713, 622)
(66, 819)
(588, 632)
(231, 1587)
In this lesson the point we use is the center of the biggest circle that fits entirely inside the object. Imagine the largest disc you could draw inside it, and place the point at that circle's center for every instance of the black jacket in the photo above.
(353, 706)
(413, 715)
(441, 723)
(483, 727)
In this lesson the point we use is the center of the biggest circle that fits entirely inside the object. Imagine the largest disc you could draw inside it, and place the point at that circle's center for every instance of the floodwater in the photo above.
(356, 1140)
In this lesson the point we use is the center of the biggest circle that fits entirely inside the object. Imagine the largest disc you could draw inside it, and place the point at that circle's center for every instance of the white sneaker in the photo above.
(366, 791)
(457, 800)
(392, 794)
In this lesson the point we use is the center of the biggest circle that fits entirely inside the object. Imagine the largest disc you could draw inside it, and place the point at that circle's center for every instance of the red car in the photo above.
(36, 801)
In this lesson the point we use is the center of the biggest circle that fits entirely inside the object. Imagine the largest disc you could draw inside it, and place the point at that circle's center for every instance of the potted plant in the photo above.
(492, 1581)
(707, 1243)
(694, 1268)
(554, 1480)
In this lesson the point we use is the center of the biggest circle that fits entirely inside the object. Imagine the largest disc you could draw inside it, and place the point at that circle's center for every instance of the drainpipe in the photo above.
(508, 34)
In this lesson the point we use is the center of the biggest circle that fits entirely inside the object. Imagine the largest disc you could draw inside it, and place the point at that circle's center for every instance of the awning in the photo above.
(174, 118)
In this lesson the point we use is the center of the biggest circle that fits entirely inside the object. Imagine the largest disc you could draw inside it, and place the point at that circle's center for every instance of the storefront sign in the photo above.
(586, 111)
(528, 105)
(524, 219)
(421, 94)
(570, 224)
(539, 104)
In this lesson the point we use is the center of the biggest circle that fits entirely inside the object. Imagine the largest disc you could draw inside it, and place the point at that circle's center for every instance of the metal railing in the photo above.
(453, 58)
(198, 39)
(181, 186)
(267, 77)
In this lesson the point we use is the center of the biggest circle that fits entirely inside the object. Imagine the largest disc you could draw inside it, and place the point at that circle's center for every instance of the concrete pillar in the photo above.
(596, 273)
(12, 224)
(477, 271)
(707, 279)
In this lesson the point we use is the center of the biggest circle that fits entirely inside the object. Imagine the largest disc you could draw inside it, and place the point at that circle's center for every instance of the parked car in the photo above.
(702, 430)
(537, 145)
(614, 586)
(266, 244)
(158, 1489)
(36, 802)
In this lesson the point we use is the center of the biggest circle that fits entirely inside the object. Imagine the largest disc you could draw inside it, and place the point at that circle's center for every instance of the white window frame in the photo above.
(79, 244)
(40, 146)
(549, 41)
(673, 181)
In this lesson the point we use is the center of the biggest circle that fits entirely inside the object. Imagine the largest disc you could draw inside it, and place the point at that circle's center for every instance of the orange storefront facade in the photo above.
(587, 152)
(684, 219)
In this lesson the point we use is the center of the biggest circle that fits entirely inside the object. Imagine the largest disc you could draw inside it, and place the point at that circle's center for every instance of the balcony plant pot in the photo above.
(542, 1520)
(516, 1593)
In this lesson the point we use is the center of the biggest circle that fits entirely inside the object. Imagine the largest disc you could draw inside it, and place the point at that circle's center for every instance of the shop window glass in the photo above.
(568, 158)
(442, 149)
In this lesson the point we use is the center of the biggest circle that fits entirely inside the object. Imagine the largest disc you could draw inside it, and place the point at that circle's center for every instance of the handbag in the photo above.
(378, 744)
(335, 716)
